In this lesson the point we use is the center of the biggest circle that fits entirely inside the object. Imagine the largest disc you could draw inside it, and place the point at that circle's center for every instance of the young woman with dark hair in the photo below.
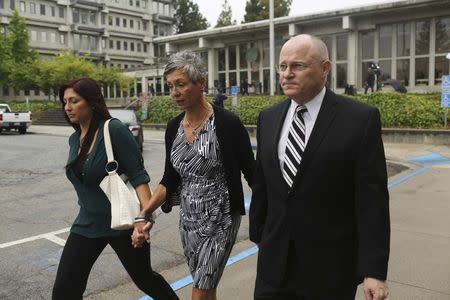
(85, 109)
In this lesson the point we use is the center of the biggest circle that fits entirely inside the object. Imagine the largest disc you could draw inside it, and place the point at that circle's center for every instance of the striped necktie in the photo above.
(295, 146)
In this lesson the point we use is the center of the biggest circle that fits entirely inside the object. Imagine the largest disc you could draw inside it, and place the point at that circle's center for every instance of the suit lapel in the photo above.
(324, 119)
(278, 125)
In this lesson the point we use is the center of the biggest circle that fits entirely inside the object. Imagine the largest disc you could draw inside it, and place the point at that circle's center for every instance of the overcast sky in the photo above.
(212, 8)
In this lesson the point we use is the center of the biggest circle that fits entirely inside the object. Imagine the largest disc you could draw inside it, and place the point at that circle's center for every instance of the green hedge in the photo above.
(397, 110)
(407, 110)
(37, 107)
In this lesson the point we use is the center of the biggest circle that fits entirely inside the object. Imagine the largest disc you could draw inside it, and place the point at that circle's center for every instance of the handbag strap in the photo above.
(108, 146)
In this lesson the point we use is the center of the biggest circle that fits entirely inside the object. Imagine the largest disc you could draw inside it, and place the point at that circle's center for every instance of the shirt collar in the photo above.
(313, 105)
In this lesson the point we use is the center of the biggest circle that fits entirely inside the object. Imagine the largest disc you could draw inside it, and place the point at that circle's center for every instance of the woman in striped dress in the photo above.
(207, 147)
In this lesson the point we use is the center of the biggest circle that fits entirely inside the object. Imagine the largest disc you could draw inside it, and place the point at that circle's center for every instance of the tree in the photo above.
(188, 17)
(256, 10)
(225, 16)
(253, 11)
(19, 60)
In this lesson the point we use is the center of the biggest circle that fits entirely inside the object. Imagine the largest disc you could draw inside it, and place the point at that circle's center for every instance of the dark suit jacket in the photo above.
(337, 211)
(236, 155)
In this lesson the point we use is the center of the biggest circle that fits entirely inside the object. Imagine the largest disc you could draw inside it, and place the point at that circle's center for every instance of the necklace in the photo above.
(194, 129)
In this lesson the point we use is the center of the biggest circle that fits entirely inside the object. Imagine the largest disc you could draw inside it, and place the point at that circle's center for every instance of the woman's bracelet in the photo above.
(139, 220)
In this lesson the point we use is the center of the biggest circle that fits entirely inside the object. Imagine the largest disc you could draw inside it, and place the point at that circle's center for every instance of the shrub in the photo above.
(37, 107)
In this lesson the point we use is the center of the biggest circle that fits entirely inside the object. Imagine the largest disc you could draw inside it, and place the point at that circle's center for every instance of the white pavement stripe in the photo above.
(55, 239)
(33, 238)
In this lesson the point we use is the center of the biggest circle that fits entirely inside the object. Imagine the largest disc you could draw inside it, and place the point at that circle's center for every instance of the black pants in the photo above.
(289, 290)
(80, 254)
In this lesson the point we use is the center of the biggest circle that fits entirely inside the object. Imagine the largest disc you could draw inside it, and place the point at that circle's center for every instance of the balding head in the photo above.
(304, 66)
(316, 46)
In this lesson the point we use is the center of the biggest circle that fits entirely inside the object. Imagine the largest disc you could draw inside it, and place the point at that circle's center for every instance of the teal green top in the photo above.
(94, 218)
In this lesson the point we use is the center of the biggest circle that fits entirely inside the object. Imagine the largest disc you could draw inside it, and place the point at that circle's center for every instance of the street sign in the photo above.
(445, 97)
(233, 90)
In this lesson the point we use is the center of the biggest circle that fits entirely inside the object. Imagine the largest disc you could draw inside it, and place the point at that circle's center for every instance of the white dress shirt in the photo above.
(309, 117)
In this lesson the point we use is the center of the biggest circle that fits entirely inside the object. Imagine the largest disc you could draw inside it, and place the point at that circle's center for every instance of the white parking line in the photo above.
(55, 239)
(49, 236)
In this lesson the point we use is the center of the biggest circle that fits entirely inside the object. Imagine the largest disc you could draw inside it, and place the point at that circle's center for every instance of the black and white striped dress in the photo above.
(208, 229)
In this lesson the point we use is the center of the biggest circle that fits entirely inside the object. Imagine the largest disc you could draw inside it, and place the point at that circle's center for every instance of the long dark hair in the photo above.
(91, 92)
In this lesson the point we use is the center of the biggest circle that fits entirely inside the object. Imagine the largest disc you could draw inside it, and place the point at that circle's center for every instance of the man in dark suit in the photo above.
(320, 204)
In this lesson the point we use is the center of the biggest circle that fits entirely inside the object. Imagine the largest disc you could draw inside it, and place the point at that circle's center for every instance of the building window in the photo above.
(139, 25)
(144, 4)
(33, 35)
(221, 56)
(145, 48)
(367, 45)
(110, 21)
(43, 36)
(403, 39)
(131, 24)
(111, 44)
(138, 4)
(42, 9)
(385, 71)
(32, 8)
(124, 23)
(2, 4)
(118, 45)
(125, 46)
(36, 92)
(232, 57)
(403, 71)
(53, 38)
(62, 39)
(117, 21)
(341, 75)
(243, 56)
(53, 11)
(385, 41)
(132, 46)
(93, 43)
(22, 6)
(138, 47)
(12, 4)
(422, 37)
(103, 21)
(76, 41)
(92, 18)
(422, 71)
(76, 16)
(341, 47)
(103, 43)
(443, 35)
(131, 2)
(125, 66)
(61, 12)
(144, 26)
(441, 68)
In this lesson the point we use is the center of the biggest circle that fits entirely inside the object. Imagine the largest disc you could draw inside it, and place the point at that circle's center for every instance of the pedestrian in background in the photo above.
(85, 109)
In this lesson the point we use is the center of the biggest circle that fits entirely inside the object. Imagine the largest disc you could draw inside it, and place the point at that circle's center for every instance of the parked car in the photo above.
(128, 117)
(14, 120)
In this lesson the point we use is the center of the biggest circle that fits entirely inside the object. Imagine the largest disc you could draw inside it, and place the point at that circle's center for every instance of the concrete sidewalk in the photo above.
(419, 266)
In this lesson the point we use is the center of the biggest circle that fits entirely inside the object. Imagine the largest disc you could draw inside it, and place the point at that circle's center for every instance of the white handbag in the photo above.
(125, 205)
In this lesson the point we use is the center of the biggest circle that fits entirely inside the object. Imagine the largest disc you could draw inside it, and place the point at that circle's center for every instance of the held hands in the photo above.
(141, 233)
(375, 289)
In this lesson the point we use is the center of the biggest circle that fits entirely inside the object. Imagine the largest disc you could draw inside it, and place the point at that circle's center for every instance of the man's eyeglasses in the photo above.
(296, 66)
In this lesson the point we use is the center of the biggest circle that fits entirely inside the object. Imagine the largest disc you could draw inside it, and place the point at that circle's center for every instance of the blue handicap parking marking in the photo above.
(445, 97)
(429, 159)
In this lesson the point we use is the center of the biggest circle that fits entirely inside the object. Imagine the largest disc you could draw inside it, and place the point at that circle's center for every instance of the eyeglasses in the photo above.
(296, 67)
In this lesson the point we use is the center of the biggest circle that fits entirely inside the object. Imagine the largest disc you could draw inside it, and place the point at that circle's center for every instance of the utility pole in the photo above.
(272, 49)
